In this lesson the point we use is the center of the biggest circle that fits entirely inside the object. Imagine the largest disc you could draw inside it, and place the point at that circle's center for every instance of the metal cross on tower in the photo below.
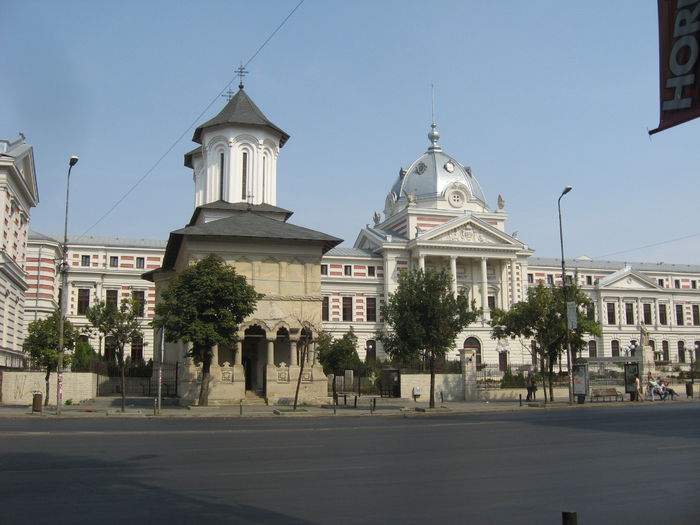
(240, 73)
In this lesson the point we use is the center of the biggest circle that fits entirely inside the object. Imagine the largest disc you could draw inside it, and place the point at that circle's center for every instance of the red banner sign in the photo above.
(679, 68)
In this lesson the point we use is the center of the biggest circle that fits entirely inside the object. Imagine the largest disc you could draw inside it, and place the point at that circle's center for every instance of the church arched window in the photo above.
(244, 175)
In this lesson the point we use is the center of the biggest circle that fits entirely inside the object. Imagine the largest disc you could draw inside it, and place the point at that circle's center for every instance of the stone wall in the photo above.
(450, 385)
(18, 387)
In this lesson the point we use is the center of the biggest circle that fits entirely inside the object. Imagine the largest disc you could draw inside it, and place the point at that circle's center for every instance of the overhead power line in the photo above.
(193, 124)
(648, 246)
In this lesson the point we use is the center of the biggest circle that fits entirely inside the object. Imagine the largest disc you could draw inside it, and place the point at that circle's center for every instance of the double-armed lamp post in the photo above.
(563, 284)
(62, 296)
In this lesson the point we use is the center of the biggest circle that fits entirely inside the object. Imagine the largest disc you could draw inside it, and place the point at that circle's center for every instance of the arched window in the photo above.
(221, 177)
(592, 349)
(473, 344)
(370, 351)
(244, 176)
(615, 348)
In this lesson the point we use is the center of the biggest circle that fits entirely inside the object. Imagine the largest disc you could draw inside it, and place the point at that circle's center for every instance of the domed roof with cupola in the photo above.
(436, 180)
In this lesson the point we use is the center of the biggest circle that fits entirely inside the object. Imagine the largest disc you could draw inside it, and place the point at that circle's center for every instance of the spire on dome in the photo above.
(434, 134)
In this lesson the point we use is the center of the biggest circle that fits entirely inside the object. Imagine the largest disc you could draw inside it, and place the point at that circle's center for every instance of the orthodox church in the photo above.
(236, 217)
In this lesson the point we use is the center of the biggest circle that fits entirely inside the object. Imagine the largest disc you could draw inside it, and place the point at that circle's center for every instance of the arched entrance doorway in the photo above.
(253, 364)
(473, 344)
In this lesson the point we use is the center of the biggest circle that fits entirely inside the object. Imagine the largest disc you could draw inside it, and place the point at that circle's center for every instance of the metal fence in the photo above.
(139, 380)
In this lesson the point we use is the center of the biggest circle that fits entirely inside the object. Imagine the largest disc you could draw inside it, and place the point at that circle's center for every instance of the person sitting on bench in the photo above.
(668, 390)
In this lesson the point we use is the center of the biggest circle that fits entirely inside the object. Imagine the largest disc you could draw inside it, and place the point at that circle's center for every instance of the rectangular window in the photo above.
(589, 280)
(569, 279)
(661, 283)
(140, 262)
(550, 279)
(491, 302)
(324, 309)
(646, 307)
(696, 315)
(679, 314)
(371, 309)
(347, 308)
(137, 351)
(629, 313)
(370, 271)
(114, 261)
(347, 269)
(324, 269)
(139, 297)
(611, 313)
(694, 285)
(530, 278)
(83, 300)
(84, 260)
(112, 298)
(663, 316)
(677, 283)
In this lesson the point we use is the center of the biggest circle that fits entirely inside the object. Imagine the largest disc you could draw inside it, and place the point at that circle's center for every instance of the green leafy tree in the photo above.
(542, 318)
(338, 354)
(83, 354)
(204, 306)
(425, 317)
(41, 343)
(120, 326)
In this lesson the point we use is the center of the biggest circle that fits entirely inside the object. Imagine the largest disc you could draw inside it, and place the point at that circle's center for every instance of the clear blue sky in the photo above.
(532, 95)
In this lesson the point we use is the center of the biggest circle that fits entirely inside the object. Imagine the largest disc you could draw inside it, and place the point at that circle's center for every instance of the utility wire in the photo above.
(194, 123)
(648, 246)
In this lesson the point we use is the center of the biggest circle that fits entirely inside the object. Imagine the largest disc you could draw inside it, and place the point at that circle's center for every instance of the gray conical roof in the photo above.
(240, 110)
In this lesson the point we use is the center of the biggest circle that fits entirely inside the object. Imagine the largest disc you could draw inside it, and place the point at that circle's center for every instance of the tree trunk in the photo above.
(48, 382)
(301, 371)
(204, 389)
(432, 382)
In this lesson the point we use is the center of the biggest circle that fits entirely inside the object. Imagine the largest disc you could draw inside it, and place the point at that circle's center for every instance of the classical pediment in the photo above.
(628, 279)
(469, 231)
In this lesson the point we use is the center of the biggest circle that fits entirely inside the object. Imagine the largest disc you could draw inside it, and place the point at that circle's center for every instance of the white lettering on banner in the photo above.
(686, 23)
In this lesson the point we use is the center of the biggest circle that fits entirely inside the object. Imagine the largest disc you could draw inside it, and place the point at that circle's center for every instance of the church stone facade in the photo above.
(236, 218)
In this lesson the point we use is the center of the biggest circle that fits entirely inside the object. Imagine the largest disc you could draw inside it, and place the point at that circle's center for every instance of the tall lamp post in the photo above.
(62, 295)
(563, 284)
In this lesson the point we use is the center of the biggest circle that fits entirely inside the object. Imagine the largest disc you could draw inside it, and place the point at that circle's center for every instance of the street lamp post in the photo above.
(563, 284)
(62, 295)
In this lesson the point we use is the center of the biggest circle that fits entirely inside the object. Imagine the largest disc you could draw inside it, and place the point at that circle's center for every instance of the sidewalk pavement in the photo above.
(385, 407)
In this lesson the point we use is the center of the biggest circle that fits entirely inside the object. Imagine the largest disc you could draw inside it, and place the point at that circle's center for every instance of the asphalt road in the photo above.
(617, 465)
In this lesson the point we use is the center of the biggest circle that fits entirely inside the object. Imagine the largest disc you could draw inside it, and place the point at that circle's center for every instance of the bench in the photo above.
(606, 394)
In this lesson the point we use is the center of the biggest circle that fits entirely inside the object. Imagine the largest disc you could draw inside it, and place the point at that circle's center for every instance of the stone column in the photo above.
(421, 262)
(238, 358)
(513, 283)
(312, 350)
(271, 352)
(292, 352)
(484, 289)
(215, 356)
(453, 272)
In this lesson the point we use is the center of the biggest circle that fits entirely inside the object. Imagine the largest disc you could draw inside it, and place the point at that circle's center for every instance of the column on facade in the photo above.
(312, 349)
(484, 289)
(238, 358)
(271, 352)
(513, 282)
(453, 273)
(421, 262)
(293, 352)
